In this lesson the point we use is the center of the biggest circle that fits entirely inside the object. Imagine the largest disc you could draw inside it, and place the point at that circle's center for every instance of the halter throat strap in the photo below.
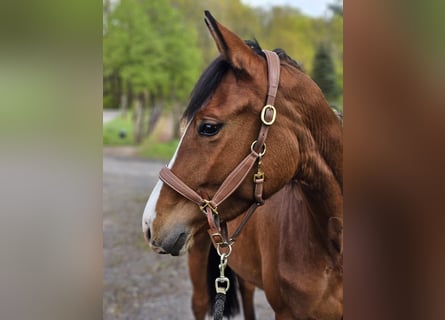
(237, 176)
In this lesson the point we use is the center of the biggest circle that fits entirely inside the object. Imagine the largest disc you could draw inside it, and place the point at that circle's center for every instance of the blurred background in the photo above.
(154, 52)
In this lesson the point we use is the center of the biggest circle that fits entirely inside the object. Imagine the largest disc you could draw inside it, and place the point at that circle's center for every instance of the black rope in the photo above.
(222, 284)
(219, 306)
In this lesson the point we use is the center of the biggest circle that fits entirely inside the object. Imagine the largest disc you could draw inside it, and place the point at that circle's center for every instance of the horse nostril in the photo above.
(146, 231)
(148, 234)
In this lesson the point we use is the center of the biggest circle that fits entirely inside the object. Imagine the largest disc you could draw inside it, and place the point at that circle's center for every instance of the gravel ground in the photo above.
(137, 283)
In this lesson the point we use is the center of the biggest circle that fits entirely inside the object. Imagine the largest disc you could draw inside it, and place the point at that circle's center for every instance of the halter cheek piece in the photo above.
(218, 231)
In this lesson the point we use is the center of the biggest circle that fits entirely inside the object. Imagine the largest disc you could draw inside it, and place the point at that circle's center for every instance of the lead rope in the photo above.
(219, 236)
(222, 284)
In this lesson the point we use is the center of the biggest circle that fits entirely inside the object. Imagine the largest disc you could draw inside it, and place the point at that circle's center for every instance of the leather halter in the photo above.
(237, 176)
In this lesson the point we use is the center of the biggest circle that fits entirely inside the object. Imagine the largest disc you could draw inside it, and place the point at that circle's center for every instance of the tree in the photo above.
(323, 73)
(336, 8)
(153, 51)
(153, 54)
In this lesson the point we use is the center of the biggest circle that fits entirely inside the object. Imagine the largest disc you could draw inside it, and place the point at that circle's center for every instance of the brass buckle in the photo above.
(258, 176)
(263, 114)
(208, 204)
(217, 238)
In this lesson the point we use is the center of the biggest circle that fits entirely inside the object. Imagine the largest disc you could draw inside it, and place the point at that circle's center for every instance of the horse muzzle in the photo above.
(174, 243)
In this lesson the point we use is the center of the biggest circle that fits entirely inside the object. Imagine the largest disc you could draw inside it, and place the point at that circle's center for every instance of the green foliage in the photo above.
(323, 73)
(287, 28)
(280, 27)
(159, 47)
(109, 102)
(113, 129)
(149, 47)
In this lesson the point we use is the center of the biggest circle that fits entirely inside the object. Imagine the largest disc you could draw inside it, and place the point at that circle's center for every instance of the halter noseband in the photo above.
(237, 176)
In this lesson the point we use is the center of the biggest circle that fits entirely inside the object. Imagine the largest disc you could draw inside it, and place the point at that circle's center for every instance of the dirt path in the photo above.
(139, 284)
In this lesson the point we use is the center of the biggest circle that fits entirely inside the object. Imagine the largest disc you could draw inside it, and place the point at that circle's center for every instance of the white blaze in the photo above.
(150, 208)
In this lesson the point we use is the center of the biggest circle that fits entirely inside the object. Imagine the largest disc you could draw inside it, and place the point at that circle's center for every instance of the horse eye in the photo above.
(209, 129)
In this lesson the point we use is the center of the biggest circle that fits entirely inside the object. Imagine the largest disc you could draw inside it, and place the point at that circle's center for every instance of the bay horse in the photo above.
(292, 246)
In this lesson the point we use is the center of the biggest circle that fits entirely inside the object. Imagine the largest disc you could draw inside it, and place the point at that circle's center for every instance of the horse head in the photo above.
(223, 123)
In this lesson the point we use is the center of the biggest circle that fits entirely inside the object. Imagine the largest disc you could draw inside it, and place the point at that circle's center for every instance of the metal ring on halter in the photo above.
(224, 245)
(261, 153)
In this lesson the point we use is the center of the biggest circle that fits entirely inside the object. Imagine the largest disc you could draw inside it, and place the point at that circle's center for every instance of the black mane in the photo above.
(213, 74)
(280, 52)
(205, 86)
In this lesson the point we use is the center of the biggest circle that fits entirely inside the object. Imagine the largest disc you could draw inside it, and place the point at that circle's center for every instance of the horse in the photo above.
(202, 255)
(255, 113)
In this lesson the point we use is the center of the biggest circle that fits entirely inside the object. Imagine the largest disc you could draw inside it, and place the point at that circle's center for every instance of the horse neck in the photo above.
(319, 171)
(320, 146)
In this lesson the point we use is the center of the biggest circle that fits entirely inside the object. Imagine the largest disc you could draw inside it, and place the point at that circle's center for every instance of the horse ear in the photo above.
(231, 47)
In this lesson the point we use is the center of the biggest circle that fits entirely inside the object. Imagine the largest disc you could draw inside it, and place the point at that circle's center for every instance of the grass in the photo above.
(150, 148)
(153, 149)
(119, 131)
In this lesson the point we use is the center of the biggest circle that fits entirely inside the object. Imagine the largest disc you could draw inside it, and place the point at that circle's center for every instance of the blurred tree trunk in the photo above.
(176, 114)
(124, 104)
(138, 117)
(125, 97)
(154, 114)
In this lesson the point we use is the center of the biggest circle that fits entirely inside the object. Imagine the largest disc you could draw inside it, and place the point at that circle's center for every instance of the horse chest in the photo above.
(247, 264)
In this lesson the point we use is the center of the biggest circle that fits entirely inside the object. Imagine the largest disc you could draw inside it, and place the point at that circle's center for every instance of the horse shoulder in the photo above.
(306, 272)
